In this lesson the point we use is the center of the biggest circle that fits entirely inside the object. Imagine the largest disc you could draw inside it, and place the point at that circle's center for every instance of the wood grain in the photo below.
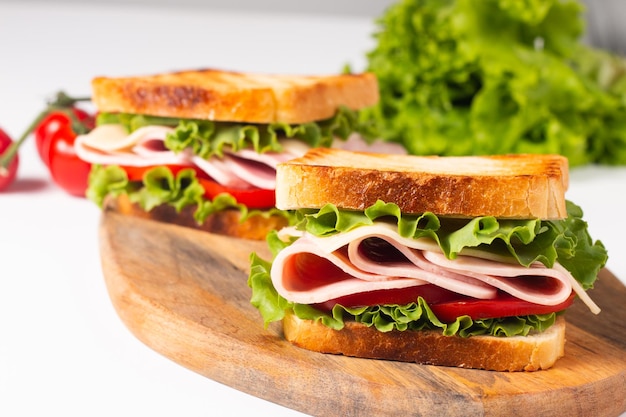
(184, 294)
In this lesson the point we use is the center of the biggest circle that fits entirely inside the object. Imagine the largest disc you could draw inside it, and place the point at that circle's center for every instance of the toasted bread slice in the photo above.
(235, 96)
(506, 186)
(517, 353)
(226, 222)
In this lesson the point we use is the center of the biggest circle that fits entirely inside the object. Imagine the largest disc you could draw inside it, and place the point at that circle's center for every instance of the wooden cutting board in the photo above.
(184, 294)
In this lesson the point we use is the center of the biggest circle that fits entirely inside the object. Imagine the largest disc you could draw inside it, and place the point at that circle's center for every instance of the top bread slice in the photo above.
(211, 94)
(504, 186)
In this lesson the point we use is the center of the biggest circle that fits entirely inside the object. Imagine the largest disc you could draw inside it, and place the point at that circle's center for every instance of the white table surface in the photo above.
(63, 349)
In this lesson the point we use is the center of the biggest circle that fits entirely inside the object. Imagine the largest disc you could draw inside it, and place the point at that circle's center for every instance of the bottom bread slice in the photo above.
(225, 222)
(518, 353)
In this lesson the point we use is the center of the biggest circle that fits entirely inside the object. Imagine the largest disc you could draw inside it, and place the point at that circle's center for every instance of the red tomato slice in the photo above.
(251, 197)
(447, 305)
(504, 305)
(401, 296)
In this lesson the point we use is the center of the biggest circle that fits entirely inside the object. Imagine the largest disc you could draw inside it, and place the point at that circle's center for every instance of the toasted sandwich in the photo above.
(467, 261)
(200, 147)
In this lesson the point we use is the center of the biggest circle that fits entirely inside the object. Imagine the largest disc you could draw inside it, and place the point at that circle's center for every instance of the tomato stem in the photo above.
(62, 102)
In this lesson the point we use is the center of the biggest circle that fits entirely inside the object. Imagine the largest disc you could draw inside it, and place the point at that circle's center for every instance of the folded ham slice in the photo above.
(317, 269)
(110, 144)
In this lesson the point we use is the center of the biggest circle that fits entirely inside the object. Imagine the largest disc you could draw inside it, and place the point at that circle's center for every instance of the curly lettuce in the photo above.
(208, 138)
(160, 186)
(471, 77)
(523, 241)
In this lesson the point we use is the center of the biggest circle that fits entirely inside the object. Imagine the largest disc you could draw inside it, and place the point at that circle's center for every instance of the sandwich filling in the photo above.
(215, 165)
(396, 271)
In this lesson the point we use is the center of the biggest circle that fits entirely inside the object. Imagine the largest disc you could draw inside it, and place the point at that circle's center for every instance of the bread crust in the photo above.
(226, 222)
(431, 347)
(212, 94)
(504, 186)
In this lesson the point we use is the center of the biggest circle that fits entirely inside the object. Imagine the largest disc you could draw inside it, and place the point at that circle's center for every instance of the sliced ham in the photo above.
(252, 172)
(220, 172)
(114, 138)
(516, 280)
(110, 144)
(292, 148)
(346, 278)
(344, 257)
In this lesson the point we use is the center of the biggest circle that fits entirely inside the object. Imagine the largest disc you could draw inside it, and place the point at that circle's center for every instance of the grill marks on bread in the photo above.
(210, 94)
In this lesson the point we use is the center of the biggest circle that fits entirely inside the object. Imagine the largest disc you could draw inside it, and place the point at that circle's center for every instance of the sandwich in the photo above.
(199, 148)
(468, 261)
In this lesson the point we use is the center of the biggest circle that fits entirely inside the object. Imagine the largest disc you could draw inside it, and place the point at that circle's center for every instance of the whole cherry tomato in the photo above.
(56, 122)
(57, 135)
(55, 128)
(8, 173)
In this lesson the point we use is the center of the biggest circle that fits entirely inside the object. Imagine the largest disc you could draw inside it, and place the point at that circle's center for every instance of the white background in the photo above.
(63, 350)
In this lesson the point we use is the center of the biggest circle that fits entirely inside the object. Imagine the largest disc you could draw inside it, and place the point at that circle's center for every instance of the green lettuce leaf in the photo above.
(577, 252)
(264, 297)
(469, 77)
(208, 138)
(526, 241)
(161, 186)
(521, 241)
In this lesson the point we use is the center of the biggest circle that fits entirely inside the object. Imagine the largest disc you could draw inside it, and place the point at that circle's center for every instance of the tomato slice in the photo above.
(401, 296)
(448, 305)
(250, 197)
(254, 198)
(504, 305)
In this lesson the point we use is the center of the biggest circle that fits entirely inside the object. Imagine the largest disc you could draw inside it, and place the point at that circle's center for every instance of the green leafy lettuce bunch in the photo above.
(471, 77)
